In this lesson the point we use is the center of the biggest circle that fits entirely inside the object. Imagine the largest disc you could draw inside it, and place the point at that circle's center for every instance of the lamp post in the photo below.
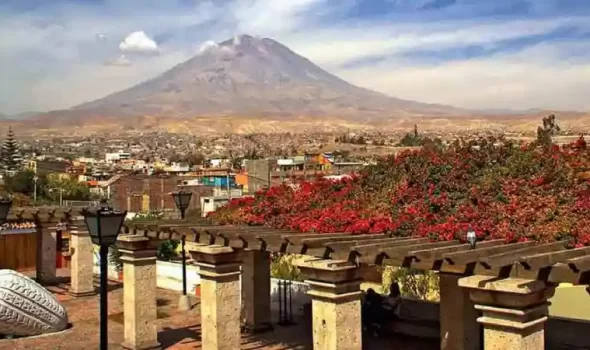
(182, 200)
(104, 225)
(35, 179)
(61, 194)
(5, 204)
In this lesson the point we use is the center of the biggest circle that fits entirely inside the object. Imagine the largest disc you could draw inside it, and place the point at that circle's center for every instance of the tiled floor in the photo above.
(177, 330)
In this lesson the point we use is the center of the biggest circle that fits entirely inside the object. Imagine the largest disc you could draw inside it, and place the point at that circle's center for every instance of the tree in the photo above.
(411, 140)
(196, 159)
(546, 132)
(22, 182)
(10, 156)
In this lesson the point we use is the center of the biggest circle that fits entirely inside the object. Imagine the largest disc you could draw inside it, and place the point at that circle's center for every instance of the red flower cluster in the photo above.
(497, 188)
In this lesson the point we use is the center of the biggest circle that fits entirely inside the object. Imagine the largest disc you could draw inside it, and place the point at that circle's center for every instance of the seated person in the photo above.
(371, 309)
(393, 301)
(378, 311)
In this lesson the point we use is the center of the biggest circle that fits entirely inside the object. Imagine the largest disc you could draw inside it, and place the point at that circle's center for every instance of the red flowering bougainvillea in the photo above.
(499, 189)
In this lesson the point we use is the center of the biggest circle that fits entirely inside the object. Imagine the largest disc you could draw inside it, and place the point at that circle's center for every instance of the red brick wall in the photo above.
(158, 189)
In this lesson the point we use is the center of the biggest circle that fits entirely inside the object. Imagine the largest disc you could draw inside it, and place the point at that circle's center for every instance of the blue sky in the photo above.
(514, 54)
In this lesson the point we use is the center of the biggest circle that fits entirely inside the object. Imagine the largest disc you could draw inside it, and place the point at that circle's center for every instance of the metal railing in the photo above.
(70, 203)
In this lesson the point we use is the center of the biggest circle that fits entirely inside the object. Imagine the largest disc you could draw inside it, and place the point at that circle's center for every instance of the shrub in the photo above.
(501, 189)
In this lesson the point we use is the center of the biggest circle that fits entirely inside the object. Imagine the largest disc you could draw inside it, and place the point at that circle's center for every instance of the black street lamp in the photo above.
(182, 200)
(104, 225)
(5, 204)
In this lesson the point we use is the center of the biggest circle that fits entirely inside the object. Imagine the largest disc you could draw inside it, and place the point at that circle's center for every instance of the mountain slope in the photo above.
(248, 76)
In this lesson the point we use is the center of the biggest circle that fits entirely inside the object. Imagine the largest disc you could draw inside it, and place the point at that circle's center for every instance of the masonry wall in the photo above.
(258, 173)
(140, 193)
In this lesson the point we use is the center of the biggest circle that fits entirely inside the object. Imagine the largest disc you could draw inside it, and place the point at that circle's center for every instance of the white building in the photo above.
(116, 157)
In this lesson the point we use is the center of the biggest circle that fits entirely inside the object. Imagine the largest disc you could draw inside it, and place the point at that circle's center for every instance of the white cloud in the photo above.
(332, 47)
(138, 42)
(535, 78)
(122, 61)
(208, 45)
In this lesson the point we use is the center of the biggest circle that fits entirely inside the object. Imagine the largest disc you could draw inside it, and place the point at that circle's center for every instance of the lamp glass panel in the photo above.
(91, 221)
(185, 199)
(110, 227)
(176, 197)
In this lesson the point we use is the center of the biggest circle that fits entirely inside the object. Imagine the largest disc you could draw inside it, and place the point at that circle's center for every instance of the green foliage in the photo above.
(282, 266)
(167, 250)
(21, 182)
(71, 188)
(48, 187)
(547, 131)
(355, 140)
(416, 284)
(10, 157)
(114, 258)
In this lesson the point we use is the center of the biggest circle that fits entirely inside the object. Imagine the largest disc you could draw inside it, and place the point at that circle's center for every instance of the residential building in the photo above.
(116, 157)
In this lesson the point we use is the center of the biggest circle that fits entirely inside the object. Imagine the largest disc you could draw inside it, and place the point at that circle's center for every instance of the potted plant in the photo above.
(115, 260)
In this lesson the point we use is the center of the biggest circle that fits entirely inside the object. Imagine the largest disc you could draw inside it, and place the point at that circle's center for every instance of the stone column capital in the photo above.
(214, 254)
(510, 292)
(135, 242)
(329, 271)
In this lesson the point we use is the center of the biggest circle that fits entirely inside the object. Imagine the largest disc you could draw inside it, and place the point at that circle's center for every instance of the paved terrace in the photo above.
(176, 330)
(501, 287)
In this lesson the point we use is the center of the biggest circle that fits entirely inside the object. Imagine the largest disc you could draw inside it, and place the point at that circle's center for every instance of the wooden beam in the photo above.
(511, 257)
(321, 242)
(368, 253)
(399, 255)
(343, 250)
(580, 264)
(298, 238)
(537, 261)
(434, 254)
(471, 256)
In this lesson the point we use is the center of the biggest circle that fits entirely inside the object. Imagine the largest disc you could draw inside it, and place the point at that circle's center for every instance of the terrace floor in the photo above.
(177, 330)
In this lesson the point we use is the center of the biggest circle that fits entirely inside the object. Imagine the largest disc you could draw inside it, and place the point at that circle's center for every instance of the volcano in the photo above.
(253, 77)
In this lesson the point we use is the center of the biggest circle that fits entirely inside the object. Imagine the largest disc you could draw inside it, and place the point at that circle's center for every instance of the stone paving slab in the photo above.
(177, 330)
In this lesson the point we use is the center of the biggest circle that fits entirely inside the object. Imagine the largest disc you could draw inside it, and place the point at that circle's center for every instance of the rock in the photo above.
(26, 308)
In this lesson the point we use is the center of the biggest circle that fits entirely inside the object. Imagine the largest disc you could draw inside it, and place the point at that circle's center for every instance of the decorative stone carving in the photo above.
(26, 308)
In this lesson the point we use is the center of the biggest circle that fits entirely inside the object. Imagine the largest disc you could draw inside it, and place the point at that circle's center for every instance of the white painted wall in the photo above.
(168, 275)
(299, 296)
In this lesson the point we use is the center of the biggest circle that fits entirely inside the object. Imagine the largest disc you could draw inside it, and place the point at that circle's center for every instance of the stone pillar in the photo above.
(82, 263)
(219, 268)
(459, 329)
(46, 256)
(336, 304)
(256, 314)
(514, 311)
(139, 292)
